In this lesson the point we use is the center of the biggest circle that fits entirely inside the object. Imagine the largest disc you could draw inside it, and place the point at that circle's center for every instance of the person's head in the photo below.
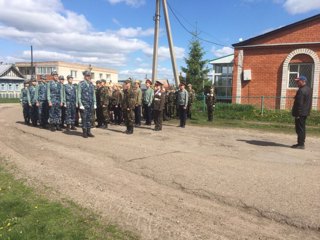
(103, 82)
(69, 79)
(148, 83)
(26, 84)
(61, 79)
(189, 86)
(157, 85)
(33, 81)
(98, 83)
(127, 85)
(55, 75)
(182, 86)
(301, 81)
(137, 84)
(43, 78)
(87, 75)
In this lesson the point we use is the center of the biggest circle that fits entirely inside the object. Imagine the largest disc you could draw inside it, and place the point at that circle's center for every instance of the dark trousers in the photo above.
(182, 115)
(63, 115)
(86, 116)
(43, 111)
(157, 117)
(34, 114)
(300, 124)
(26, 112)
(99, 113)
(147, 114)
(117, 115)
(137, 114)
(210, 112)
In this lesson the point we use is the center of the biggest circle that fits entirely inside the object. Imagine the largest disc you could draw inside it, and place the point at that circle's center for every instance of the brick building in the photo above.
(267, 65)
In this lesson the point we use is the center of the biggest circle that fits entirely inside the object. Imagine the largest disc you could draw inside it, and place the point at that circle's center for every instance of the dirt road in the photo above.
(193, 183)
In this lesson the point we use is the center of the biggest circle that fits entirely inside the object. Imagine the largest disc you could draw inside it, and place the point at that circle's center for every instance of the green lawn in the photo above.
(25, 215)
(9, 100)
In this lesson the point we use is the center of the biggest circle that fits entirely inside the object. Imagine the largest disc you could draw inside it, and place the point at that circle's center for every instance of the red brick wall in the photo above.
(266, 65)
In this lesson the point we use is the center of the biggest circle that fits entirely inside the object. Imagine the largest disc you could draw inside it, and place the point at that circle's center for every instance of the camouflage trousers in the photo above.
(55, 113)
(86, 116)
(43, 112)
(106, 114)
(128, 116)
(210, 112)
(70, 113)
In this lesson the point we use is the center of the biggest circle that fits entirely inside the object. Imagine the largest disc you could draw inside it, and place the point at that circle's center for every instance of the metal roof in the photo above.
(5, 68)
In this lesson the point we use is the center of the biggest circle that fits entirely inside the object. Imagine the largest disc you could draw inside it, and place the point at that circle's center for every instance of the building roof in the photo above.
(223, 60)
(7, 68)
(287, 27)
(65, 64)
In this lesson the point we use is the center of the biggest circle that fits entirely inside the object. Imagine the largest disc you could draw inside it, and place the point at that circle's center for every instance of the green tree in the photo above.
(196, 70)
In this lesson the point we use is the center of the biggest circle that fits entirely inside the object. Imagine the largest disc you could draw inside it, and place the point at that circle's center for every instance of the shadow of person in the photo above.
(263, 143)
(73, 133)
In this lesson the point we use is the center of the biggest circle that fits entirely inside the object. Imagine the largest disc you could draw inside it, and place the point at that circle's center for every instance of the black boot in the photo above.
(58, 127)
(89, 133)
(52, 127)
(130, 130)
(84, 133)
(73, 127)
(68, 128)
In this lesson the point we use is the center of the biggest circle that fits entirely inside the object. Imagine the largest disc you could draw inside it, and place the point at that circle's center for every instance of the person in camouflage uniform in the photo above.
(63, 108)
(104, 103)
(33, 102)
(211, 103)
(99, 113)
(116, 104)
(192, 96)
(171, 102)
(158, 105)
(55, 102)
(76, 123)
(69, 101)
(42, 102)
(25, 99)
(128, 105)
(137, 109)
(87, 103)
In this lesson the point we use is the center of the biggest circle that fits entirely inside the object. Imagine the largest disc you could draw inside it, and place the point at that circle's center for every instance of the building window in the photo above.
(101, 75)
(45, 70)
(3, 87)
(223, 82)
(10, 87)
(108, 77)
(92, 75)
(299, 69)
(73, 73)
(17, 87)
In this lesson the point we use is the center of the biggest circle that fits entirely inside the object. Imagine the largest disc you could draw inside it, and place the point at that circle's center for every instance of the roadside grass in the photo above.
(25, 215)
(9, 100)
(249, 117)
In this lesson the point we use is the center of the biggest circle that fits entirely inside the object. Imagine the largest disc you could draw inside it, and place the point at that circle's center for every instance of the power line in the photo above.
(190, 32)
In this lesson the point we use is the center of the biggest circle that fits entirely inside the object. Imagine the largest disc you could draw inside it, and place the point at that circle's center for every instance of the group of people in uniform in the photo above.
(55, 105)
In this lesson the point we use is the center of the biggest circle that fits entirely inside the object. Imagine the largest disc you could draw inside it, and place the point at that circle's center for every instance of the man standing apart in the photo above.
(147, 101)
(182, 102)
(69, 100)
(301, 109)
(158, 105)
(33, 102)
(25, 99)
(128, 105)
(87, 103)
(104, 103)
(55, 101)
(211, 103)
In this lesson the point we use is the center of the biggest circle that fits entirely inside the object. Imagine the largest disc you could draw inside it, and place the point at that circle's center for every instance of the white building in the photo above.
(65, 69)
(11, 81)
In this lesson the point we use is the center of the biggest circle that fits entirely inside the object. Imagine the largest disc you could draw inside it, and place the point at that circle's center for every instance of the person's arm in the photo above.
(36, 94)
(28, 97)
(79, 97)
(49, 94)
(186, 99)
(64, 96)
(94, 99)
(151, 97)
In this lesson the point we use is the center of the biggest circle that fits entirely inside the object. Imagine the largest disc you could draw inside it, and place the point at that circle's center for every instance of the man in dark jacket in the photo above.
(301, 109)
(158, 105)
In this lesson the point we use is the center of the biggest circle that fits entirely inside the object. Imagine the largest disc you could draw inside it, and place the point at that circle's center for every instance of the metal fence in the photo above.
(262, 102)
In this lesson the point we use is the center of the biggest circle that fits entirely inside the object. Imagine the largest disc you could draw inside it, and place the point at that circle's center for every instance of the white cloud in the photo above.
(299, 6)
(222, 51)
(132, 3)
(135, 32)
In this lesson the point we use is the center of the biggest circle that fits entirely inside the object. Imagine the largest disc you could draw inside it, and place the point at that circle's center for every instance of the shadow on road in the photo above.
(263, 143)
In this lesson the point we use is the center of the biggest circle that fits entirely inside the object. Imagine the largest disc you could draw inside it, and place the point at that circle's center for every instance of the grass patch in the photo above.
(247, 116)
(24, 215)
(9, 100)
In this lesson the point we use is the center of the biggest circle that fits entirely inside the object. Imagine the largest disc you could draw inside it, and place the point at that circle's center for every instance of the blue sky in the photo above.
(118, 34)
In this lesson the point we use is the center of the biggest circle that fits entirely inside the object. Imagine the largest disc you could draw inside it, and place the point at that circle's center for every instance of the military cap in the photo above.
(127, 81)
(86, 73)
(54, 73)
(61, 77)
(69, 76)
(183, 83)
(148, 81)
(159, 83)
(33, 79)
(103, 80)
(43, 76)
(98, 81)
(189, 85)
